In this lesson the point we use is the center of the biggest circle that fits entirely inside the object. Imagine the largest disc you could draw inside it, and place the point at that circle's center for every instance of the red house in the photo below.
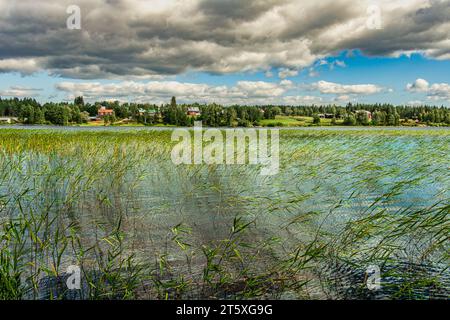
(103, 111)
(193, 111)
(367, 113)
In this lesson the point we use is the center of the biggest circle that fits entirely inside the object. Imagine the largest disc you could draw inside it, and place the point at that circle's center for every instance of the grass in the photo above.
(295, 121)
(119, 124)
(142, 228)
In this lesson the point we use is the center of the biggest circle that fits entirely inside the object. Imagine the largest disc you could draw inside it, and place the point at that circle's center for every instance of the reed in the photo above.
(140, 227)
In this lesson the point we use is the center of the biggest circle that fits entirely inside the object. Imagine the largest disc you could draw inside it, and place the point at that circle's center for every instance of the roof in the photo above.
(104, 109)
(9, 118)
(146, 111)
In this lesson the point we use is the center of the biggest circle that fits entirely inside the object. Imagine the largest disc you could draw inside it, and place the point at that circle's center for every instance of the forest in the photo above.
(30, 111)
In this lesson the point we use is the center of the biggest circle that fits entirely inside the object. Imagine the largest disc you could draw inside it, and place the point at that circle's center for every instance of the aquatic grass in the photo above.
(140, 227)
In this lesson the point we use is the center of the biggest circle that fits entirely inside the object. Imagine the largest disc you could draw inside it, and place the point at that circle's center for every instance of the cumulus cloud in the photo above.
(243, 92)
(287, 84)
(344, 98)
(20, 92)
(159, 92)
(22, 65)
(415, 103)
(268, 74)
(436, 91)
(326, 87)
(340, 63)
(337, 63)
(302, 100)
(287, 73)
(420, 85)
(151, 39)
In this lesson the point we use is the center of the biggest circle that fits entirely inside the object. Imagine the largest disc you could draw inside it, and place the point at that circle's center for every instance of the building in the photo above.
(193, 111)
(326, 115)
(103, 111)
(143, 112)
(368, 113)
(8, 119)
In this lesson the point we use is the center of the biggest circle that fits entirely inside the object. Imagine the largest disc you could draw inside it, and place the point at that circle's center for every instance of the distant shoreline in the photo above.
(170, 128)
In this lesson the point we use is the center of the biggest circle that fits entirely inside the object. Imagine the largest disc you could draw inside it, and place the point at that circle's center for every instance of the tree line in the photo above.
(29, 111)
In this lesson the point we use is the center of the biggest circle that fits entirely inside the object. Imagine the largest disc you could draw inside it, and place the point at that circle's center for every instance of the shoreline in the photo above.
(171, 128)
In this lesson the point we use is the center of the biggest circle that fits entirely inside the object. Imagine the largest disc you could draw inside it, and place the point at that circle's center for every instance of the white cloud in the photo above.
(344, 98)
(269, 74)
(302, 100)
(340, 63)
(336, 88)
(21, 65)
(287, 84)
(435, 92)
(420, 85)
(20, 92)
(243, 92)
(439, 91)
(313, 73)
(415, 103)
(260, 88)
(287, 73)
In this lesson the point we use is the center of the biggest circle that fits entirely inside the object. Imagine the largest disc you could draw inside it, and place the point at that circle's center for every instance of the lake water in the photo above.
(328, 177)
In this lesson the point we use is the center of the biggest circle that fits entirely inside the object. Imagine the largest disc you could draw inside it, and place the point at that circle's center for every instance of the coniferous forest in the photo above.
(30, 111)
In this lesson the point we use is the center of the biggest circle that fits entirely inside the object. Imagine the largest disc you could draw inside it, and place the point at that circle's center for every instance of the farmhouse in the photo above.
(143, 112)
(103, 111)
(8, 119)
(326, 115)
(193, 111)
(368, 113)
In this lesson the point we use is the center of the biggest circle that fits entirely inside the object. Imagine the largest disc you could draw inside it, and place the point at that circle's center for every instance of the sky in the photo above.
(293, 52)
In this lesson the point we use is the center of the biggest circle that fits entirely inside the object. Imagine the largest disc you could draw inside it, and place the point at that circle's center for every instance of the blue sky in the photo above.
(251, 52)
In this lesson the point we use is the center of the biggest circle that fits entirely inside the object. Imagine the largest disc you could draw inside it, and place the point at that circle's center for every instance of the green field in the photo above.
(279, 121)
(295, 121)
(140, 227)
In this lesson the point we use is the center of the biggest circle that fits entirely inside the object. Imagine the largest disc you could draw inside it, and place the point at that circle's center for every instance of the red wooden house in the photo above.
(103, 111)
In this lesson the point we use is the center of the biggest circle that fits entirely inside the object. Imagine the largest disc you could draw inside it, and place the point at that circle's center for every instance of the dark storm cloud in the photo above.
(137, 38)
(237, 9)
(425, 29)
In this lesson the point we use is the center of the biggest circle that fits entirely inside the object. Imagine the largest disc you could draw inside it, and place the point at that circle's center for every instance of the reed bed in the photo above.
(140, 227)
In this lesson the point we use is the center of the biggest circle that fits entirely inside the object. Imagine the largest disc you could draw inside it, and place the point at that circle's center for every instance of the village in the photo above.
(107, 113)
(146, 115)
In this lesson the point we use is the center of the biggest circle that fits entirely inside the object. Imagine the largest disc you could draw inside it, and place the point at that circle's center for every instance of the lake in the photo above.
(109, 197)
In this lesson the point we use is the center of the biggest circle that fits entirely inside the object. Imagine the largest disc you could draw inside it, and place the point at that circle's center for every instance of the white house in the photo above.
(193, 111)
(8, 119)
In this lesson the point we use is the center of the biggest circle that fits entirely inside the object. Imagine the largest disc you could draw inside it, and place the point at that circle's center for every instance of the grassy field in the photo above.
(295, 121)
(140, 227)
(279, 121)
